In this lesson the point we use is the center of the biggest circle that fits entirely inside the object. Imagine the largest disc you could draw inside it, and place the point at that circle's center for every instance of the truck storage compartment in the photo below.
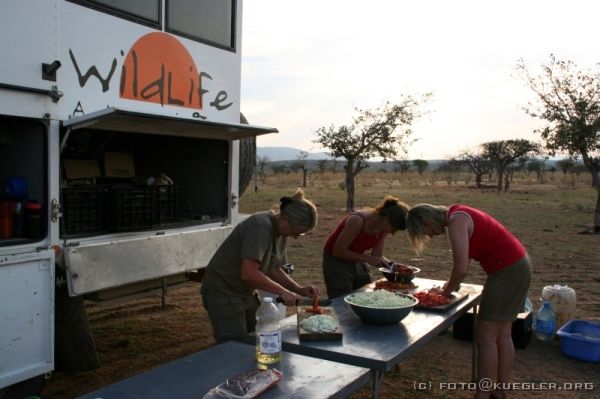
(23, 177)
(145, 181)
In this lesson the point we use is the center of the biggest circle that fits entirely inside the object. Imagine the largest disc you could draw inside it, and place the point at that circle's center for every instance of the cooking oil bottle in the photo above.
(268, 332)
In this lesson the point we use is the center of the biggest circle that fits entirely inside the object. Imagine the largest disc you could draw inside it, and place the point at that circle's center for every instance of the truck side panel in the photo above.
(27, 319)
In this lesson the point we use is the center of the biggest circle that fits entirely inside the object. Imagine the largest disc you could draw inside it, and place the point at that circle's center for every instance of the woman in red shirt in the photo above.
(345, 257)
(476, 235)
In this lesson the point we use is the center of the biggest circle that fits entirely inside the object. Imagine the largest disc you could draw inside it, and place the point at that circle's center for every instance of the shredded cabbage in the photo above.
(321, 323)
(380, 299)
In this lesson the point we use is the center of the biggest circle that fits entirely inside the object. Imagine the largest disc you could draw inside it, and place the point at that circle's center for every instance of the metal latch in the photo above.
(234, 199)
(55, 213)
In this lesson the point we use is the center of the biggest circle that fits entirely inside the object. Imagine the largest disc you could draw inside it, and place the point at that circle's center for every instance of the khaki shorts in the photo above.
(342, 277)
(504, 292)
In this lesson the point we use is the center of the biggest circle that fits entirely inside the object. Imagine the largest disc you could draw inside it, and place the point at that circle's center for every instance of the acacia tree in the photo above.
(477, 163)
(565, 164)
(378, 132)
(301, 164)
(504, 153)
(568, 100)
(421, 165)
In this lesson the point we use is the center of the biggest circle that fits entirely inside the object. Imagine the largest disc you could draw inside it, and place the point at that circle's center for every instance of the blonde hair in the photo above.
(299, 211)
(433, 215)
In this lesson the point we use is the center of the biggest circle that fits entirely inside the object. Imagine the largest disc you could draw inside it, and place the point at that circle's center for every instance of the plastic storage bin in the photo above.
(165, 202)
(130, 208)
(580, 339)
(82, 208)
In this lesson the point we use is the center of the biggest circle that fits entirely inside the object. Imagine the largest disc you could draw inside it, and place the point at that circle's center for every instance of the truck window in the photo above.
(204, 20)
(137, 10)
(23, 174)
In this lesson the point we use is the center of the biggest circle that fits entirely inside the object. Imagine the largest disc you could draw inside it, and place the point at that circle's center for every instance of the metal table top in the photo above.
(379, 348)
(194, 375)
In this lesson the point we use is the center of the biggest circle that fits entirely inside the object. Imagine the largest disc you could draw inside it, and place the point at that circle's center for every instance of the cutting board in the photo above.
(457, 298)
(304, 335)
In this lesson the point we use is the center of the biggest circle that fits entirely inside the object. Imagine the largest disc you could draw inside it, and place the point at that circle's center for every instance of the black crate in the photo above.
(82, 208)
(165, 204)
(521, 329)
(130, 208)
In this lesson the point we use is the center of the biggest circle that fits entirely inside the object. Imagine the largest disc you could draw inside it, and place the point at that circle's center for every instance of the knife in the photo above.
(307, 302)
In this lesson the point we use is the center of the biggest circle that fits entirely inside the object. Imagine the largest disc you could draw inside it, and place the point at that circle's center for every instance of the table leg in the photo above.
(474, 348)
(376, 378)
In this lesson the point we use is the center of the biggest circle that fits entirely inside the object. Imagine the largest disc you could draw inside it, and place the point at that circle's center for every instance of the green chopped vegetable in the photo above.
(380, 299)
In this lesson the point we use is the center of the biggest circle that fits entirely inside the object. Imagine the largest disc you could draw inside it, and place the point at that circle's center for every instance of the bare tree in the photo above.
(379, 132)
(262, 162)
(568, 100)
(301, 164)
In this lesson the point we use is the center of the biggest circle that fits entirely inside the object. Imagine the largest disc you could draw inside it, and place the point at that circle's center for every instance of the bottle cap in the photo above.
(268, 299)
(33, 206)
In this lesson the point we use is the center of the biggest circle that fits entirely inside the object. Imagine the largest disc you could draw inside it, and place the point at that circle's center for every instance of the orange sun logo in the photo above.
(159, 69)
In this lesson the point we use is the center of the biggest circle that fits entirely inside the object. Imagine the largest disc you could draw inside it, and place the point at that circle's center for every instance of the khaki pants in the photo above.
(231, 316)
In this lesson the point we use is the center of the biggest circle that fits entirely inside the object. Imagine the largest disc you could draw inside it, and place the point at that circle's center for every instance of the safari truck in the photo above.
(122, 159)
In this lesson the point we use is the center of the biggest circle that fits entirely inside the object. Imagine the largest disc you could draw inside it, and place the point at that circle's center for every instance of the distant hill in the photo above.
(287, 155)
(276, 154)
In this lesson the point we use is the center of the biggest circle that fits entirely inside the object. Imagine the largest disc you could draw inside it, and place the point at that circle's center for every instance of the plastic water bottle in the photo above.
(268, 332)
(545, 322)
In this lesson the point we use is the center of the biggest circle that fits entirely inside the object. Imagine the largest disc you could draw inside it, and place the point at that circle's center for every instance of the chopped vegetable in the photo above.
(380, 299)
(319, 324)
(428, 298)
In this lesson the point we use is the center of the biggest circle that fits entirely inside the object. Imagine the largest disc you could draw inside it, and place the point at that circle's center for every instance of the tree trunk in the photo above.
(304, 173)
(500, 174)
(597, 214)
(507, 180)
(478, 178)
(349, 186)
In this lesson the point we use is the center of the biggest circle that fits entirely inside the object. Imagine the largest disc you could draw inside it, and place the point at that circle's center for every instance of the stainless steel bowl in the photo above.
(381, 316)
(401, 276)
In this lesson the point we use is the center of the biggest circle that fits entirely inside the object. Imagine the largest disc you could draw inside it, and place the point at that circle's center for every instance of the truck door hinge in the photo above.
(55, 210)
(234, 200)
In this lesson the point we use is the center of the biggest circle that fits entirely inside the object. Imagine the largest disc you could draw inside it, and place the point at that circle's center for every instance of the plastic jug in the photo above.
(563, 301)
(545, 323)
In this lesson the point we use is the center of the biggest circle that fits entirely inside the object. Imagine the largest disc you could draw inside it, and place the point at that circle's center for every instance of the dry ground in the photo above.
(138, 335)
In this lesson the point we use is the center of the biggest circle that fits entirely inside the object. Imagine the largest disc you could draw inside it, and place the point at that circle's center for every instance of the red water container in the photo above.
(7, 212)
(33, 220)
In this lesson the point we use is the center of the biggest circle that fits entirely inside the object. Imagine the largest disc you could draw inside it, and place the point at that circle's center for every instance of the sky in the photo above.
(308, 64)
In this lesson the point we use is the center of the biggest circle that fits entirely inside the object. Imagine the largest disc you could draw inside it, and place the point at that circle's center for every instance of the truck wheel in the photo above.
(75, 349)
(247, 159)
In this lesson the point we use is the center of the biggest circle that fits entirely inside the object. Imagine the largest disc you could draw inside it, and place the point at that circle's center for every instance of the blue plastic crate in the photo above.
(580, 339)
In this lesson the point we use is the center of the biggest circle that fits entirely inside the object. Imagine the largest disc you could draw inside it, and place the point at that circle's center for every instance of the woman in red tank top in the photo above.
(345, 257)
(476, 235)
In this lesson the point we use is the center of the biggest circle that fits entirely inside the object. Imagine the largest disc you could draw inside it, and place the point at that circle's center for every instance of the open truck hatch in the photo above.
(121, 226)
(112, 119)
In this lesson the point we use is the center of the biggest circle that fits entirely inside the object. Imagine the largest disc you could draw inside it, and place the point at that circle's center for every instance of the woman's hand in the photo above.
(379, 261)
(309, 291)
(442, 290)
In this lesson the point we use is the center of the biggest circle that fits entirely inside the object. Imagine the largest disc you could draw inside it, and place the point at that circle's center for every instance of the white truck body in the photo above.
(84, 71)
